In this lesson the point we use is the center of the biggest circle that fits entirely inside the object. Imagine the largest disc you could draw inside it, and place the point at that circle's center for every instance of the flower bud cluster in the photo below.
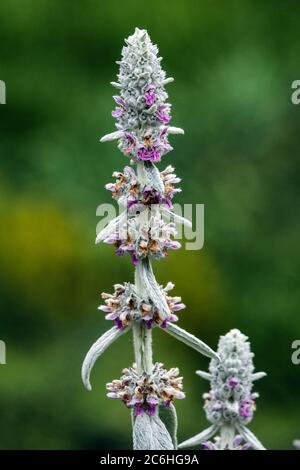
(144, 392)
(125, 306)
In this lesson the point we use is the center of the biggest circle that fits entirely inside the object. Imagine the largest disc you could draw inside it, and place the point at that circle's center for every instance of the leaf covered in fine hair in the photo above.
(168, 416)
(150, 433)
(96, 350)
(190, 340)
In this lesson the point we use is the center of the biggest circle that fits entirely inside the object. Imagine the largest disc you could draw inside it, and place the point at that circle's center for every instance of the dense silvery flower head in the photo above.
(143, 235)
(133, 195)
(144, 392)
(230, 403)
(230, 398)
(125, 306)
(142, 111)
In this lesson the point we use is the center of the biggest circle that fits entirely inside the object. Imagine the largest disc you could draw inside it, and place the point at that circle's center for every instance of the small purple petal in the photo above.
(152, 400)
(246, 446)
(118, 324)
(134, 259)
(150, 154)
(120, 251)
(104, 308)
(174, 245)
(237, 440)
(233, 382)
(138, 409)
(116, 113)
(150, 97)
(111, 240)
(136, 401)
(148, 324)
(119, 100)
(151, 410)
(162, 114)
(207, 446)
(173, 318)
(178, 307)
(111, 316)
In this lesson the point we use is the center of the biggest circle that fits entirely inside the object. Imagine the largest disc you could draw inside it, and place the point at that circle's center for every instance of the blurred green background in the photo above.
(234, 63)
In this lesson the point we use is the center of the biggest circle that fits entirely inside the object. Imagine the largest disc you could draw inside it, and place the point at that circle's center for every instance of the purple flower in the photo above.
(168, 201)
(178, 307)
(151, 400)
(111, 316)
(246, 408)
(136, 401)
(131, 201)
(151, 410)
(246, 446)
(208, 446)
(237, 440)
(233, 382)
(150, 96)
(173, 245)
(138, 409)
(111, 240)
(117, 112)
(148, 154)
(104, 308)
(151, 196)
(118, 324)
(120, 251)
(148, 324)
(134, 259)
(246, 412)
(162, 114)
(119, 101)
(129, 137)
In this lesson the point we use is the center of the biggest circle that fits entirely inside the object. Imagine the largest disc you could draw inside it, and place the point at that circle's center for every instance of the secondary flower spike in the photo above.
(145, 230)
(230, 403)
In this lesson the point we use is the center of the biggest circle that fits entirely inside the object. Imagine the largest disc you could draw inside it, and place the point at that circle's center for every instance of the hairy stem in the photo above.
(227, 433)
(142, 337)
(142, 340)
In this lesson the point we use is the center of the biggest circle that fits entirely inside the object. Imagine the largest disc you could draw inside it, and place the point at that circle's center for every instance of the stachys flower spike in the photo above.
(230, 403)
(145, 230)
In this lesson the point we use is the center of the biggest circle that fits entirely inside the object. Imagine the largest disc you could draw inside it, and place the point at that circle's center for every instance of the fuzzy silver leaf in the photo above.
(250, 438)
(168, 416)
(150, 433)
(96, 350)
(190, 340)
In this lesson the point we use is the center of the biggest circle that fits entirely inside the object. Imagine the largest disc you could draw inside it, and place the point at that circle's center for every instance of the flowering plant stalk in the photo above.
(144, 229)
(230, 404)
